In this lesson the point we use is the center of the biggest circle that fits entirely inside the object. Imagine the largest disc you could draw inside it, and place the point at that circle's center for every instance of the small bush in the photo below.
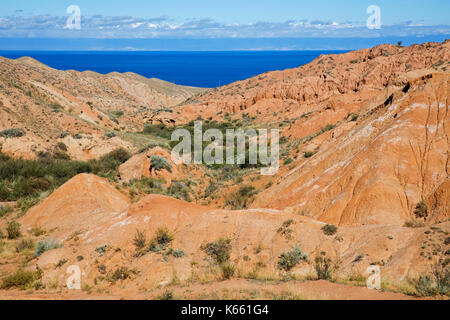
(38, 231)
(101, 250)
(44, 246)
(160, 163)
(12, 133)
(21, 279)
(329, 229)
(284, 230)
(425, 287)
(353, 116)
(5, 210)
(309, 154)
(290, 259)
(13, 230)
(167, 295)
(227, 271)
(178, 253)
(110, 134)
(121, 273)
(62, 146)
(220, 250)
(24, 244)
(323, 266)
(60, 263)
(163, 236)
(140, 239)
(421, 210)
(288, 161)
(241, 199)
(414, 224)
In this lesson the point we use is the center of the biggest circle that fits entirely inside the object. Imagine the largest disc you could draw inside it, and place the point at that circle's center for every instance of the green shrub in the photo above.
(121, 273)
(353, 116)
(13, 230)
(178, 253)
(60, 263)
(110, 134)
(329, 229)
(24, 244)
(38, 231)
(25, 204)
(21, 279)
(163, 236)
(241, 199)
(309, 154)
(118, 113)
(179, 190)
(62, 146)
(227, 271)
(414, 224)
(288, 161)
(290, 259)
(140, 239)
(167, 295)
(323, 266)
(44, 246)
(284, 230)
(160, 163)
(219, 250)
(424, 286)
(421, 210)
(12, 133)
(5, 210)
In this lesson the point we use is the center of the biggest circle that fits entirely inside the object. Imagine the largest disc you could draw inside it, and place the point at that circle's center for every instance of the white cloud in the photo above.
(163, 27)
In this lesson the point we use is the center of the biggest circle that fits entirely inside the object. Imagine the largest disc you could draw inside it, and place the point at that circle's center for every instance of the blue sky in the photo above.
(430, 12)
(226, 19)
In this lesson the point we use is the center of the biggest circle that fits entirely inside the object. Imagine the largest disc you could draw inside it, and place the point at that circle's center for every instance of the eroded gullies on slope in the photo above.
(363, 182)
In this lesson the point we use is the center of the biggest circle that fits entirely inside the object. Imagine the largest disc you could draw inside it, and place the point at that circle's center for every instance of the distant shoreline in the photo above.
(206, 69)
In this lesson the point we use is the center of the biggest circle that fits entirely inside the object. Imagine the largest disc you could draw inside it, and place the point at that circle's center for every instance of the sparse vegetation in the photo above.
(21, 279)
(13, 230)
(421, 210)
(167, 295)
(24, 180)
(240, 199)
(284, 230)
(5, 210)
(329, 229)
(323, 266)
(160, 163)
(122, 273)
(290, 259)
(163, 236)
(44, 246)
(309, 154)
(219, 250)
(140, 239)
(24, 244)
(12, 133)
(414, 224)
(227, 271)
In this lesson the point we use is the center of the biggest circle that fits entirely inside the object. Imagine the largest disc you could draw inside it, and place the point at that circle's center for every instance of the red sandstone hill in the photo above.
(365, 146)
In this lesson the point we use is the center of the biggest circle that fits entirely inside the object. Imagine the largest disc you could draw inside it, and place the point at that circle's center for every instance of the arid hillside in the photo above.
(363, 182)
(91, 114)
